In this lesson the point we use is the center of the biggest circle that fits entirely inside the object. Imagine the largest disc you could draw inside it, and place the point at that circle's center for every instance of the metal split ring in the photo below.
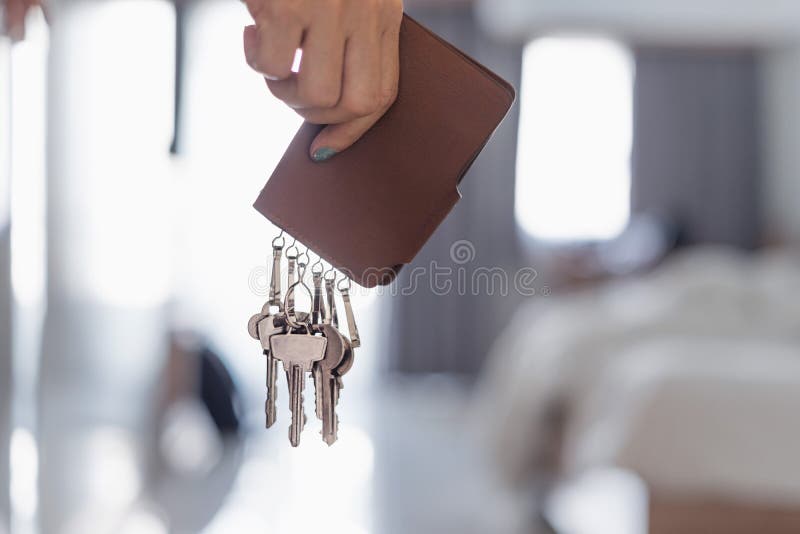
(288, 305)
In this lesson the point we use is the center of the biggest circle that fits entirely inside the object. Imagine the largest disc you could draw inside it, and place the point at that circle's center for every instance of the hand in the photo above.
(349, 69)
(15, 12)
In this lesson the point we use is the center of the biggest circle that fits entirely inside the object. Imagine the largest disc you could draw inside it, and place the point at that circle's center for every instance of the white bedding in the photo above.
(556, 348)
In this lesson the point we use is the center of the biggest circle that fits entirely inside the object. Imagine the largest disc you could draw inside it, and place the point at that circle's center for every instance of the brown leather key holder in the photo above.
(371, 208)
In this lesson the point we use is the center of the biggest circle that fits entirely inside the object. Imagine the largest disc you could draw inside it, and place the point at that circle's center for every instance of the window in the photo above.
(573, 158)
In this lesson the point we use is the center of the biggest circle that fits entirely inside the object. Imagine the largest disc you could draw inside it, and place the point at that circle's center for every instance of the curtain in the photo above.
(452, 332)
(696, 143)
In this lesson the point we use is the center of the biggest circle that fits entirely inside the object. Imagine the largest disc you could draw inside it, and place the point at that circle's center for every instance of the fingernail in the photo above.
(323, 154)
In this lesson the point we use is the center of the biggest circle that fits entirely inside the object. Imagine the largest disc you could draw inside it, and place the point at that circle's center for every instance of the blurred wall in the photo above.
(697, 143)
(781, 111)
(773, 29)
(109, 113)
(698, 22)
(5, 369)
(5, 285)
(482, 224)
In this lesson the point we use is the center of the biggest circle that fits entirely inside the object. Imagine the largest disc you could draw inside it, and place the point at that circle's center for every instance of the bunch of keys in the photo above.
(305, 342)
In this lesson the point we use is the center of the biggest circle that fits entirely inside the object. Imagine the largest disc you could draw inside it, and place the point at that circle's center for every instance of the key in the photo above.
(343, 368)
(292, 261)
(355, 340)
(298, 352)
(325, 382)
(318, 315)
(337, 384)
(268, 327)
(347, 362)
(280, 317)
(333, 317)
(252, 324)
(275, 281)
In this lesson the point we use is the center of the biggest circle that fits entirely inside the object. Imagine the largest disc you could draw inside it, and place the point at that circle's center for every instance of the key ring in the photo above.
(283, 241)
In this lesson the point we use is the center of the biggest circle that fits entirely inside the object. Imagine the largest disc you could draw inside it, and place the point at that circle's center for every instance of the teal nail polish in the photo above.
(323, 154)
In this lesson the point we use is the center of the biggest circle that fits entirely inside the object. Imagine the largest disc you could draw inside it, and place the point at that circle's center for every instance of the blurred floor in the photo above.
(406, 462)
(431, 474)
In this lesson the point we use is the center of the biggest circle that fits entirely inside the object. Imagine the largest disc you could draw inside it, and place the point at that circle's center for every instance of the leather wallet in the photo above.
(371, 208)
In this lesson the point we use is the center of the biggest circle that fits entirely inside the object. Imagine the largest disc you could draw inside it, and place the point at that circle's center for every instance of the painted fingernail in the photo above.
(323, 154)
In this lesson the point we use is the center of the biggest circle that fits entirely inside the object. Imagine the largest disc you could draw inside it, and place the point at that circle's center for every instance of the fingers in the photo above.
(15, 19)
(318, 84)
(362, 73)
(390, 66)
(337, 137)
(348, 74)
(358, 92)
(270, 48)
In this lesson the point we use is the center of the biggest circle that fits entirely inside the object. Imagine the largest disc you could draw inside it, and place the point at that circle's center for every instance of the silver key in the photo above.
(298, 352)
(325, 382)
(268, 327)
(318, 312)
(355, 340)
(275, 280)
(292, 268)
(333, 317)
(347, 362)
(343, 368)
(252, 324)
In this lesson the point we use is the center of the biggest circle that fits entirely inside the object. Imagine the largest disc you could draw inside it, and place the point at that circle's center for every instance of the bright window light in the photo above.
(573, 158)
(28, 106)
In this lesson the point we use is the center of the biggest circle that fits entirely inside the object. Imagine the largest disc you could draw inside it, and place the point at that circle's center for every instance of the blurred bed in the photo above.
(688, 376)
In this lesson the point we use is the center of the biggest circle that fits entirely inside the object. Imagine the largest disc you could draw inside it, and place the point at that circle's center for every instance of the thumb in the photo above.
(335, 138)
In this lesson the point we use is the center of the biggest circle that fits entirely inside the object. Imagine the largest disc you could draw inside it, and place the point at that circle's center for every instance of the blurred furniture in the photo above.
(687, 376)
(710, 425)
